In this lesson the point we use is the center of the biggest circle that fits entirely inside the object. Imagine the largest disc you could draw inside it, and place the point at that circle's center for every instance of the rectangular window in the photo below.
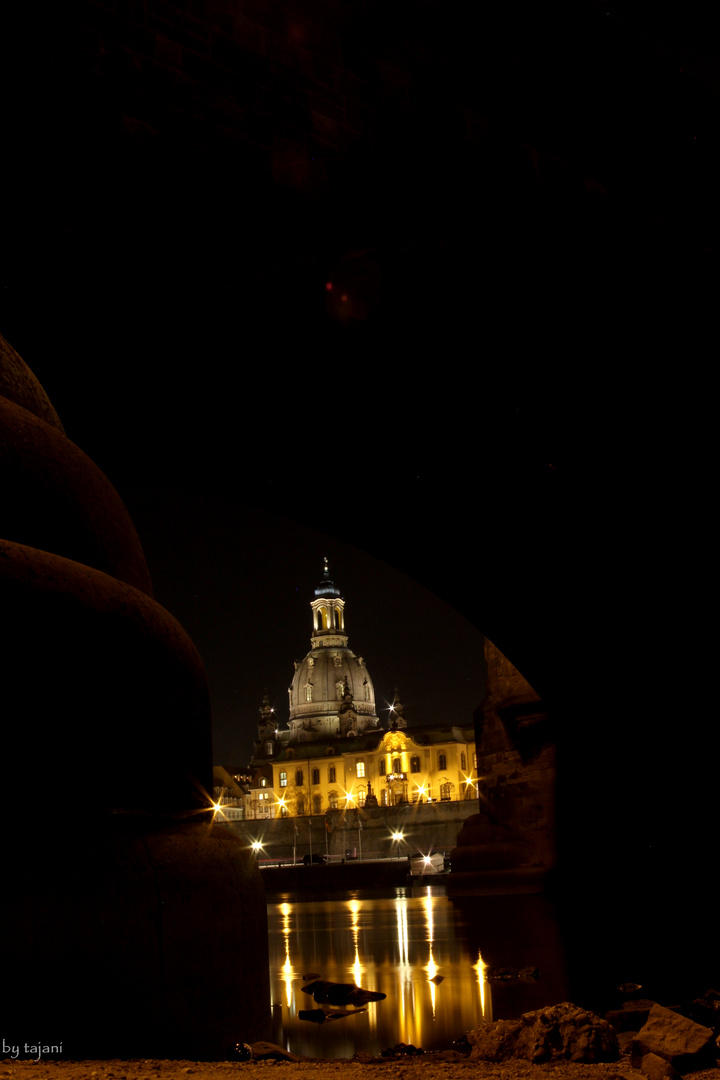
(283, 779)
(442, 761)
(360, 768)
(333, 800)
(299, 778)
(316, 776)
(414, 764)
(331, 774)
(463, 764)
(381, 767)
(361, 797)
(317, 804)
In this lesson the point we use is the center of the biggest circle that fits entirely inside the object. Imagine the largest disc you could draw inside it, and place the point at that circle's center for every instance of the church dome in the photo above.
(331, 692)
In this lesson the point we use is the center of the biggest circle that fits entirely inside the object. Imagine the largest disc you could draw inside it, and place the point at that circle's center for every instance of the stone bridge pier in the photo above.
(131, 925)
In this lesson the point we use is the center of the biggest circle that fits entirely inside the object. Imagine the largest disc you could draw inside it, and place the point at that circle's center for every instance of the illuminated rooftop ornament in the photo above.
(396, 718)
(326, 586)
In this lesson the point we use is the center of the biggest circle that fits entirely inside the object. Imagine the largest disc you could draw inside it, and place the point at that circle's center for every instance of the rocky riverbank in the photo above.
(426, 1067)
(642, 1041)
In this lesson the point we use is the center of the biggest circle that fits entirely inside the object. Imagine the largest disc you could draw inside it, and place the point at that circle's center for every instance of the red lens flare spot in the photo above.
(328, 286)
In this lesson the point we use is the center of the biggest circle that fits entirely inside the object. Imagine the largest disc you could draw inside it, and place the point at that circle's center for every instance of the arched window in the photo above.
(331, 775)
(299, 778)
(442, 762)
(397, 765)
(333, 800)
(263, 782)
(269, 748)
(361, 796)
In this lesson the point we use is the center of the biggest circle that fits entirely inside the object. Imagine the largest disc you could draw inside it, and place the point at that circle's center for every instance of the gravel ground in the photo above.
(425, 1067)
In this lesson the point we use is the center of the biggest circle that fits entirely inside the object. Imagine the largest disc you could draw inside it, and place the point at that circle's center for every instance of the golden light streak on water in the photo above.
(287, 968)
(402, 924)
(357, 968)
(485, 999)
(431, 967)
(406, 1000)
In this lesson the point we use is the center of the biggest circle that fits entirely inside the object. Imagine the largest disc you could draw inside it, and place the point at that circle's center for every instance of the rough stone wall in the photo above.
(108, 926)
(515, 825)
(515, 762)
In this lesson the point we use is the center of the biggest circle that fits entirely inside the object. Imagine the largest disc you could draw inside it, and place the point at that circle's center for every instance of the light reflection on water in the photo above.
(395, 944)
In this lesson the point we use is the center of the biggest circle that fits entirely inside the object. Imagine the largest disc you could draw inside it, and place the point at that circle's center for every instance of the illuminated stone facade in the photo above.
(335, 754)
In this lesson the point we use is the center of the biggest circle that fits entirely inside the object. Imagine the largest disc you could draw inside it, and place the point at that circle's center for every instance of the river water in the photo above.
(434, 958)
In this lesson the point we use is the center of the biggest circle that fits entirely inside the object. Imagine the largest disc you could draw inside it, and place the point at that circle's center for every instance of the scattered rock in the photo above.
(401, 1050)
(632, 1016)
(686, 1045)
(240, 1052)
(319, 1016)
(311, 975)
(558, 1032)
(437, 979)
(315, 1016)
(657, 1068)
(462, 1045)
(706, 1010)
(513, 973)
(267, 1051)
(329, 993)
